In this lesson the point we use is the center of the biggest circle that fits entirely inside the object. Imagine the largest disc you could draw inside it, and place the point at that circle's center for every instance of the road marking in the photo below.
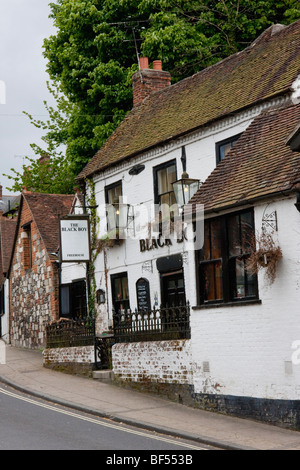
(100, 423)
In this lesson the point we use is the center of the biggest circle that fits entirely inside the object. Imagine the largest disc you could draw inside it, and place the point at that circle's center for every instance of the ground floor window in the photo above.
(120, 292)
(223, 273)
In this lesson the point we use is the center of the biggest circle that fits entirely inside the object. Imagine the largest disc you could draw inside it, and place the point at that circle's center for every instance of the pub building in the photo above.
(186, 312)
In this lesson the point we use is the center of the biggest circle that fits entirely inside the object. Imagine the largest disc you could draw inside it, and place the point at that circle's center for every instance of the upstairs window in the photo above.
(223, 147)
(164, 176)
(113, 192)
(223, 273)
(164, 196)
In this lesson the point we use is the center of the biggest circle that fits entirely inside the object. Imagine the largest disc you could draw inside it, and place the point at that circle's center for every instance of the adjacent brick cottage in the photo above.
(33, 272)
(7, 235)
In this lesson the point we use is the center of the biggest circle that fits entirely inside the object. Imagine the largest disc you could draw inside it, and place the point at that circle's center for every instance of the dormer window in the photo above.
(223, 147)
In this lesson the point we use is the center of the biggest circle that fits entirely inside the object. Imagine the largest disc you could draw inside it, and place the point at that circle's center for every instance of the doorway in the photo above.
(173, 289)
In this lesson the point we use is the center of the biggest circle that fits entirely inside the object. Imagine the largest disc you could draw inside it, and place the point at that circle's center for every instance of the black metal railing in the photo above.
(67, 333)
(153, 325)
(103, 355)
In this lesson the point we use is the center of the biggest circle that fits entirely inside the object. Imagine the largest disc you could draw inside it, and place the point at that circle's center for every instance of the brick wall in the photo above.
(76, 354)
(146, 81)
(34, 287)
(156, 361)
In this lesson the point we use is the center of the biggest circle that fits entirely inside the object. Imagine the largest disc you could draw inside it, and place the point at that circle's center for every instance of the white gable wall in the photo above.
(248, 348)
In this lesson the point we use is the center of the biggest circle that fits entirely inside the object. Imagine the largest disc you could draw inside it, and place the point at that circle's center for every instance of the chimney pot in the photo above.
(144, 63)
(146, 80)
(157, 65)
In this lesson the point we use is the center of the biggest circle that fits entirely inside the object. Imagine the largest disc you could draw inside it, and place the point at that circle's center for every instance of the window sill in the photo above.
(239, 303)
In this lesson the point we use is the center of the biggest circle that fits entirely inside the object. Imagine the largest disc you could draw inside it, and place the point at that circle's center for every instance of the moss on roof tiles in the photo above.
(259, 165)
(265, 69)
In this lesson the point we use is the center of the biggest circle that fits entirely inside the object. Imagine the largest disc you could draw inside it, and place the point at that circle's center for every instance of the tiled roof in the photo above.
(46, 210)
(264, 70)
(7, 230)
(260, 164)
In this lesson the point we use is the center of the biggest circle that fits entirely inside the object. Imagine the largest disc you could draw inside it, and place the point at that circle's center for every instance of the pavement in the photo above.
(23, 370)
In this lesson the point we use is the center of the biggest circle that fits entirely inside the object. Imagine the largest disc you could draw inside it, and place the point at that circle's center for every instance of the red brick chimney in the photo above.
(146, 80)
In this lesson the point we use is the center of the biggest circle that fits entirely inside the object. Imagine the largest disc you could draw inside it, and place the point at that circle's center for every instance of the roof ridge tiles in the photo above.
(264, 70)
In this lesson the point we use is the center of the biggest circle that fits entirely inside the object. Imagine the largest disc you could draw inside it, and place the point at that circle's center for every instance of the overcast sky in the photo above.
(23, 26)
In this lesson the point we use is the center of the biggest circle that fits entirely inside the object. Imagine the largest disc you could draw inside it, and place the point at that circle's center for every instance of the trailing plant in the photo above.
(105, 242)
(264, 253)
(94, 221)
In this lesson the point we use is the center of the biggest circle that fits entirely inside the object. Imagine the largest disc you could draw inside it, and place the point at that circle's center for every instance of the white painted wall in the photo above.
(138, 191)
(249, 348)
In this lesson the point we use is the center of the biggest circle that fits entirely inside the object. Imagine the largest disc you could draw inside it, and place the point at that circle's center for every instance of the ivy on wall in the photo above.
(94, 222)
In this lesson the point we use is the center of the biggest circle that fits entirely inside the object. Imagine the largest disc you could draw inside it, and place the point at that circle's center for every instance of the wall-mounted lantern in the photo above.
(117, 216)
(185, 188)
(100, 294)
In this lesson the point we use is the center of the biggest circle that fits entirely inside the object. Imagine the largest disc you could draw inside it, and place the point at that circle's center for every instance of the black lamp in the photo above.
(117, 216)
(185, 188)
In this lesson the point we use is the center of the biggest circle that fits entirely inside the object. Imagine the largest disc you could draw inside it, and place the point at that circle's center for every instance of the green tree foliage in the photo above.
(93, 54)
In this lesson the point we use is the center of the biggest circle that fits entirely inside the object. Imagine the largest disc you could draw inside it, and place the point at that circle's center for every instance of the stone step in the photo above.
(103, 375)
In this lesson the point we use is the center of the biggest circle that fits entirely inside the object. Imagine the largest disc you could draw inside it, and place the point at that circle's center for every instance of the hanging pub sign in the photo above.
(143, 294)
(74, 239)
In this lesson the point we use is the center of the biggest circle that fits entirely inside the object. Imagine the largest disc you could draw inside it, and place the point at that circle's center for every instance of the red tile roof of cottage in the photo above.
(264, 70)
(260, 164)
(46, 210)
(7, 230)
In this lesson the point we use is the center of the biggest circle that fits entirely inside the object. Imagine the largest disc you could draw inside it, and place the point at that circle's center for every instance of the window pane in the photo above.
(206, 250)
(209, 282)
(118, 289)
(245, 283)
(125, 294)
(216, 239)
(247, 231)
(240, 290)
(213, 281)
(114, 193)
(251, 284)
(234, 244)
(171, 176)
(219, 284)
(165, 199)
(172, 198)
(224, 149)
(65, 300)
(212, 240)
(162, 181)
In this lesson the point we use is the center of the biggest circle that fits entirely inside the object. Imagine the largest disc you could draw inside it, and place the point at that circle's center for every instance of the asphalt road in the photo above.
(28, 423)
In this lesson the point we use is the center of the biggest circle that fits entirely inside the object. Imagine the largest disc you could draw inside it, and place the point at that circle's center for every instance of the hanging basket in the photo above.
(108, 241)
(264, 253)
